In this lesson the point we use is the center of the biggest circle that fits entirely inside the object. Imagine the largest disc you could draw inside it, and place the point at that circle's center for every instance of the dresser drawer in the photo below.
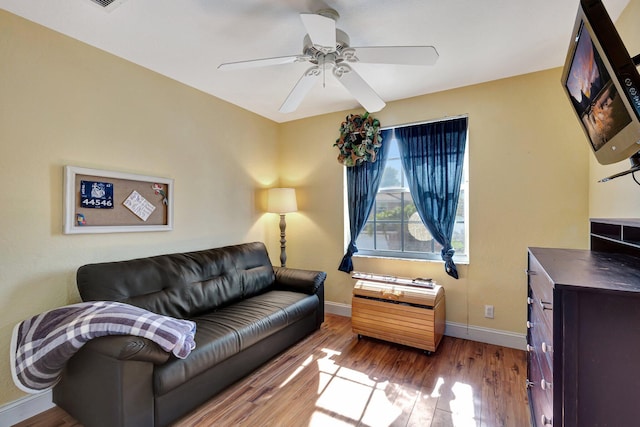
(540, 335)
(541, 290)
(541, 354)
(541, 400)
(540, 321)
(540, 284)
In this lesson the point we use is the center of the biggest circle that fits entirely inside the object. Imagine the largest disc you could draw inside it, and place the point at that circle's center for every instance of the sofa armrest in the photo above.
(293, 279)
(109, 382)
(129, 347)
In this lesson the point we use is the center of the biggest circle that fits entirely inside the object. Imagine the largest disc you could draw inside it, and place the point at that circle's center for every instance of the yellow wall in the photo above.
(619, 198)
(528, 172)
(65, 103)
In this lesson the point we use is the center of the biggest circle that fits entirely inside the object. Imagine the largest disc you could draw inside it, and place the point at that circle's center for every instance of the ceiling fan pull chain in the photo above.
(323, 61)
(324, 76)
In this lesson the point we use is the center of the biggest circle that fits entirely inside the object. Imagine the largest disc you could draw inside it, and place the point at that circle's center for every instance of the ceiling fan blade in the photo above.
(360, 89)
(300, 90)
(321, 30)
(266, 62)
(401, 55)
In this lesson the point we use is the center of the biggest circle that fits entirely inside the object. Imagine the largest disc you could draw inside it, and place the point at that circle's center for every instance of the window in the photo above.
(394, 228)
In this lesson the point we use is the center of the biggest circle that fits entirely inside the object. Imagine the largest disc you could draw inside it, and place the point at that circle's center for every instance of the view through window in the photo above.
(394, 228)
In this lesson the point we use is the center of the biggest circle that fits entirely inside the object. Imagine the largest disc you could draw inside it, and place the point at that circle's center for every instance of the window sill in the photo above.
(456, 260)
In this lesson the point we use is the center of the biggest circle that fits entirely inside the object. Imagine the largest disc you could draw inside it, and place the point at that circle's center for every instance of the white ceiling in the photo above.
(186, 40)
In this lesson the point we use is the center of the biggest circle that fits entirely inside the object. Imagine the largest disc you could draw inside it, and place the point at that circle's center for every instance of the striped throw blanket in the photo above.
(41, 345)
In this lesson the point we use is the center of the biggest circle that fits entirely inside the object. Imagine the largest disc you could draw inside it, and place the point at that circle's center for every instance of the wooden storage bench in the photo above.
(407, 315)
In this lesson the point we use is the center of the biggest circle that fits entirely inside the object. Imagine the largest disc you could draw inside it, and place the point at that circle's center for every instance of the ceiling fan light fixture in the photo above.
(342, 43)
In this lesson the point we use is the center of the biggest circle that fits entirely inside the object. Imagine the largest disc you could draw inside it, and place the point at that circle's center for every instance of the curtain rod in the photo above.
(404, 125)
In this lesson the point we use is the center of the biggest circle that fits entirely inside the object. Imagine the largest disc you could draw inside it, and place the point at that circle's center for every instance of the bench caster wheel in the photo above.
(359, 337)
(428, 352)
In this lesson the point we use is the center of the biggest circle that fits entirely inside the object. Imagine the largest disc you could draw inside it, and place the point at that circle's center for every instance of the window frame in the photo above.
(460, 257)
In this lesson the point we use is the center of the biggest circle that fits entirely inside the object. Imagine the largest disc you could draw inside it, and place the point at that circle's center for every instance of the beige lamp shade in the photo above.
(281, 200)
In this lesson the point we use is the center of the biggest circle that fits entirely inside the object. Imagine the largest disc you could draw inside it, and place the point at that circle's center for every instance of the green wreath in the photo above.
(360, 139)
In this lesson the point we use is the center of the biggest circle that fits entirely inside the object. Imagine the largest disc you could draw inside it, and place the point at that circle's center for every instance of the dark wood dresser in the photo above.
(583, 361)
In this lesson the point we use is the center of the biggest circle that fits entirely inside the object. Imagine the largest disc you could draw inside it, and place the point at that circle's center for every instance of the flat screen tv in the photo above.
(602, 82)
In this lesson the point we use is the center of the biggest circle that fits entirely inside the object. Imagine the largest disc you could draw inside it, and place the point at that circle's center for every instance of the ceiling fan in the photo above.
(326, 47)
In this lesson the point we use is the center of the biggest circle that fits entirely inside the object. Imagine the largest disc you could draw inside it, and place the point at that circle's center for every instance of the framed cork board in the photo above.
(98, 201)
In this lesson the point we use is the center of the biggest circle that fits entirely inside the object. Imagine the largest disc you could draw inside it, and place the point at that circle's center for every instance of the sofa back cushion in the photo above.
(181, 285)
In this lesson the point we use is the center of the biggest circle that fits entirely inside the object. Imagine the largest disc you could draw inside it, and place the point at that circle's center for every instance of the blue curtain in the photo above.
(363, 181)
(433, 156)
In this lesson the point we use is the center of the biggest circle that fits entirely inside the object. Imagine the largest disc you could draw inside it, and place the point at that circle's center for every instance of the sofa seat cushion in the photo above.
(229, 330)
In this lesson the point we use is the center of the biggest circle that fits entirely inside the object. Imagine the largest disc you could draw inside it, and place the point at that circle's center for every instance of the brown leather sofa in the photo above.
(246, 312)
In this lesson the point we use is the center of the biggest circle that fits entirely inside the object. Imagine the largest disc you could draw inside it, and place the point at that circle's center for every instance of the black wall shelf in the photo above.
(621, 235)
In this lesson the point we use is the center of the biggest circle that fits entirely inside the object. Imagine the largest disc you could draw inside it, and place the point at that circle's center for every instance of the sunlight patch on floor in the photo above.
(462, 410)
(322, 419)
(344, 397)
(436, 388)
(299, 369)
(347, 397)
(380, 411)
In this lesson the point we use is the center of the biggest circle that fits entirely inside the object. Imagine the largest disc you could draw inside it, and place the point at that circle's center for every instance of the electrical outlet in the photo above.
(488, 311)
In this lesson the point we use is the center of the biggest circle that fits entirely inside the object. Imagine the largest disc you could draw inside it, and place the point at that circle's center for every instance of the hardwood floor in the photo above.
(334, 379)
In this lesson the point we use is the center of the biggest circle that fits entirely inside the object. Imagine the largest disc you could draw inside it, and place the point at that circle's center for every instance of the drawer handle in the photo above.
(546, 421)
(530, 272)
(529, 324)
(546, 305)
(529, 384)
(530, 348)
(546, 348)
(545, 385)
(529, 300)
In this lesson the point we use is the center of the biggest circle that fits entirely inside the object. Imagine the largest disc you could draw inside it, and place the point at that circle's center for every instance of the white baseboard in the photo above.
(337, 308)
(456, 330)
(25, 407)
(486, 335)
